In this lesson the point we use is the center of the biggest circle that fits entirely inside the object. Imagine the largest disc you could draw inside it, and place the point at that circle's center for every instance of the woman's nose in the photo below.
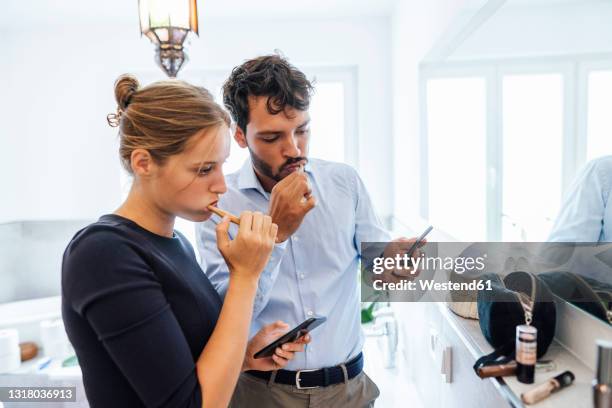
(219, 186)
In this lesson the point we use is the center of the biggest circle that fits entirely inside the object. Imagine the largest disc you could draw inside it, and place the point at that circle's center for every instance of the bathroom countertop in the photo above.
(52, 369)
(52, 375)
(577, 395)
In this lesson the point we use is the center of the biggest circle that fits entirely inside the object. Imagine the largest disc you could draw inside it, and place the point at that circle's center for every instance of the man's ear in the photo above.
(240, 137)
(142, 162)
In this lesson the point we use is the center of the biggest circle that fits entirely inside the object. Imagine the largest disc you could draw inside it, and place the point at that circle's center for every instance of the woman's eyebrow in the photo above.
(204, 163)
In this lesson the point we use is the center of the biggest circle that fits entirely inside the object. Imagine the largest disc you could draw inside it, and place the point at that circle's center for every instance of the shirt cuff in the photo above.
(269, 274)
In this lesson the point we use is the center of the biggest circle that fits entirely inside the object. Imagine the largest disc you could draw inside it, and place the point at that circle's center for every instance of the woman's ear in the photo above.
(142, 162)
(240, 137)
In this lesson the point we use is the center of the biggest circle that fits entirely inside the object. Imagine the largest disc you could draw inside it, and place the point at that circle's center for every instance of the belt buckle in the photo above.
(298, 379)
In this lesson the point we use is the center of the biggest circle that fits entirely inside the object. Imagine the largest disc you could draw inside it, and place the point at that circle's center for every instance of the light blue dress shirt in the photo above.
(315, 271)
(586, 214)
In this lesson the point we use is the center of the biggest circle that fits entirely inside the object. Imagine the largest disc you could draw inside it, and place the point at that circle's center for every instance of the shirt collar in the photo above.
(247, 179)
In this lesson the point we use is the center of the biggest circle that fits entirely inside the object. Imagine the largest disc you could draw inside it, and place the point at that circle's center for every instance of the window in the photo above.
(599, 118)
(456, 124)
(532, 117)
(327, 122)
(496, 139)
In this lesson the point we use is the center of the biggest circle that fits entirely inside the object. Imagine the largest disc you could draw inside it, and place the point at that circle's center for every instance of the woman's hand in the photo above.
(281, 355)
(247, 254)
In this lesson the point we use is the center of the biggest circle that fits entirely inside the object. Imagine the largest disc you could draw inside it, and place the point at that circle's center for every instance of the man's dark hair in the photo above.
(271, 76)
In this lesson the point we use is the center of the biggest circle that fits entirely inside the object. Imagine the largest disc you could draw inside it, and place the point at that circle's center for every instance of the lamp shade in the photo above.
(167, 23)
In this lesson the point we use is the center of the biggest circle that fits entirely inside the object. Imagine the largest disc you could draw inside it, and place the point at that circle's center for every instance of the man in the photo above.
(323, 213)
(586, 213)
(586, 217)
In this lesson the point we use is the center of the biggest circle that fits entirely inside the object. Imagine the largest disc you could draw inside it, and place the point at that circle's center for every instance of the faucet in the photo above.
(385, 328)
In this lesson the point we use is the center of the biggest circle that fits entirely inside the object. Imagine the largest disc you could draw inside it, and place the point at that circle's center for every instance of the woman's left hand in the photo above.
(281, 355)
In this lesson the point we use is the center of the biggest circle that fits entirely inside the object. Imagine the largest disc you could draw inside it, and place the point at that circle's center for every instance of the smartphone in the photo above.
(297, 332)
(418, 241)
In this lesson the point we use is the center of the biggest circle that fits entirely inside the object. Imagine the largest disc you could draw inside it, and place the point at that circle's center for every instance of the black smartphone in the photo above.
(305, 327)
(418, 241)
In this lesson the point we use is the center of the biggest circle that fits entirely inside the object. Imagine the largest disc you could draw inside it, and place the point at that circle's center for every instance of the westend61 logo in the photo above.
(423, 263)
(402, 271)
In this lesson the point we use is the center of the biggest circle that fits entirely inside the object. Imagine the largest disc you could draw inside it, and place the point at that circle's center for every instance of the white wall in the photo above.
(537, 30)
(10, 190)
(24, 276)
(416, 27)
(60, 156)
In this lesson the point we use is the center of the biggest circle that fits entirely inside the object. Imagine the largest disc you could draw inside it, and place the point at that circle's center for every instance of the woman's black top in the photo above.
(138, 310)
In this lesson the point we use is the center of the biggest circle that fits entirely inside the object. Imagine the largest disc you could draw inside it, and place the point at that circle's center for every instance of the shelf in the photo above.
(577, 395)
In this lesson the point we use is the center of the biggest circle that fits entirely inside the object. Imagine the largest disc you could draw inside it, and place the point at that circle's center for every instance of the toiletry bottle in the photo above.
(602, 384)
(10, 354)
(526, 353)
(544, 390)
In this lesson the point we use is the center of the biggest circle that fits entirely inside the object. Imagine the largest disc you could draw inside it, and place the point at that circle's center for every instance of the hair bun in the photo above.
(125, 86)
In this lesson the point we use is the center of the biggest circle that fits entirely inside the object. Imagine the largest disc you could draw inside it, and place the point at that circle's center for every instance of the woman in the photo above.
(147, 326)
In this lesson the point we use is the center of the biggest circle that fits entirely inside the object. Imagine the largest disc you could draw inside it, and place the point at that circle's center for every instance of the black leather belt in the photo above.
(314, 378)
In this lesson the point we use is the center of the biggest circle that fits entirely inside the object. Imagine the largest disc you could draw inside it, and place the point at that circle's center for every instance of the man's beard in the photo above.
(265, 169)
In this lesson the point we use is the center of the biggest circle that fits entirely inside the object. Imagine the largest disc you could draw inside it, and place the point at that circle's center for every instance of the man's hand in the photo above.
(401, 246)
(290, 201)
(281, 355)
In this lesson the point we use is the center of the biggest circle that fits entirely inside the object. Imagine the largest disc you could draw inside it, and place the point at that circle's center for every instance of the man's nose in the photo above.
(291, 148)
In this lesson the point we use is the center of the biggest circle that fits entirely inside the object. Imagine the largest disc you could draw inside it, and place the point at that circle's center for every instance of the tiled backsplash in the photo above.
(31, 257)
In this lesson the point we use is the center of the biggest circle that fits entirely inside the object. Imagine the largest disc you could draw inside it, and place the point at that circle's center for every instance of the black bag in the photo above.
(516, 299)
(590, 295)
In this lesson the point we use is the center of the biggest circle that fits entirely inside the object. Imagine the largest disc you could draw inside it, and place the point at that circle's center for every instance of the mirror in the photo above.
(516, 97)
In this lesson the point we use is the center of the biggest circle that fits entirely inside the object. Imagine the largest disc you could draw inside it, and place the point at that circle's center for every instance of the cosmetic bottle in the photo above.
(602, 384)
(10, 354)
(526, 353)
(544, 390)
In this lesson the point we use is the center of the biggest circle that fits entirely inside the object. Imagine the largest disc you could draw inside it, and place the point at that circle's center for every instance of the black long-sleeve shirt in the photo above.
(138, 310)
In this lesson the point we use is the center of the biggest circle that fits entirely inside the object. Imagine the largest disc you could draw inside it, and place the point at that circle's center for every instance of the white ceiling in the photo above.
(552, 2)
(20, 12)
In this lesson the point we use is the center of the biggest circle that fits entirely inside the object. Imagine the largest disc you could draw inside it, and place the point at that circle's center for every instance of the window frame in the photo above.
(574, 70)
(347, 75)
(440, 71)
(583, 71)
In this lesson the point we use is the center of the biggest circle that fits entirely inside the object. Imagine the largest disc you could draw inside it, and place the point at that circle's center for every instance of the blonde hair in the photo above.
(161, 117)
